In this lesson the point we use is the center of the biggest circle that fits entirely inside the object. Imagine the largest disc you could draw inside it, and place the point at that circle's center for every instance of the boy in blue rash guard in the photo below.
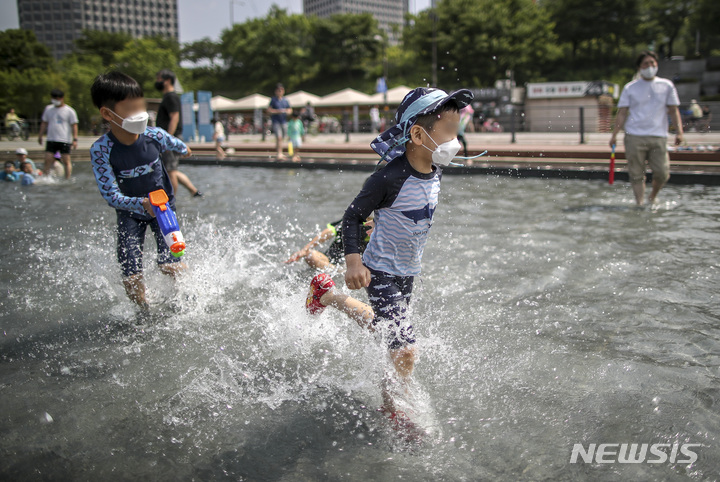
(403, 194)
(127, 166)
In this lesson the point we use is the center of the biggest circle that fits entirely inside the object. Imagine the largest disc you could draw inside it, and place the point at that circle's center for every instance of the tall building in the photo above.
(58, 23)
(389, 13)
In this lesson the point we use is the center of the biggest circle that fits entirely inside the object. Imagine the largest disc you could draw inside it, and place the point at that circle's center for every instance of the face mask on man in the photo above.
(134, 124)
(160, 85)
(56, 102)
(649, 72)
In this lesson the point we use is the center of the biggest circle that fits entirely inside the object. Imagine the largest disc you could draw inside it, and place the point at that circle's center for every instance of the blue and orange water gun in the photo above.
(168, 222)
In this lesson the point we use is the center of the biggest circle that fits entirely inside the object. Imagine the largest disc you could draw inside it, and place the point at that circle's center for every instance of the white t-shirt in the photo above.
(647, 102)
(59, 123)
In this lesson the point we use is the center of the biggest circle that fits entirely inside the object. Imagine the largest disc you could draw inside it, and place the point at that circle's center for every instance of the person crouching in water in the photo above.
(127, 165)
(403, 194)
(334, 255)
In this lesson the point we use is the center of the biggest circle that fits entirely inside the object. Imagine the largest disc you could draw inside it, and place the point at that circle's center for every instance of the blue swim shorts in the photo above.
(389, 296)
(131, 238)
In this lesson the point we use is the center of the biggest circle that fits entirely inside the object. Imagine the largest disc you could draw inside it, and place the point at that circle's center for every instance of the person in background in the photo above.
(296, 134)
(27, 173)
(307, 115)
(642, 111)
(279, 109)
(9, 174)
(466, 115)
(13, 122)
(696, 114)
(335, 254)
(21, 155)
(60, 121)
(219, 137)
(374, 119)
(169, 118)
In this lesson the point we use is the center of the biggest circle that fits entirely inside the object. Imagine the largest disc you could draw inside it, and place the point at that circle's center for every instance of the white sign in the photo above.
(552, 90)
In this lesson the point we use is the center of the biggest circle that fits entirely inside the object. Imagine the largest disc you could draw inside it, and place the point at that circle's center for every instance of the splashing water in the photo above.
(549, 313)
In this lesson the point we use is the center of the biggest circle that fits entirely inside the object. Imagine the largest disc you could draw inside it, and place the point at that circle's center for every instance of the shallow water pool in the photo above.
(550, 313)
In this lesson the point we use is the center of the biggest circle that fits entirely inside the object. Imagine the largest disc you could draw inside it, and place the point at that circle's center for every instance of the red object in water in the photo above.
(611, 176)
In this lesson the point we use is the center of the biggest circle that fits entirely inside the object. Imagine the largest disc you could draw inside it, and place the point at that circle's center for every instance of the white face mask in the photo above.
(445, 152)
(648, 72)
(56, 102)
(134, 124)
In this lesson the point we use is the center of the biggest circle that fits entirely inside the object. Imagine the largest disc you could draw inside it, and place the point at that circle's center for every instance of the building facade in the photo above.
(390, 14)
(58, 23)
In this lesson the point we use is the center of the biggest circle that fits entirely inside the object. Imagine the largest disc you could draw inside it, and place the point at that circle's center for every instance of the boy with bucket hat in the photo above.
(403, 195)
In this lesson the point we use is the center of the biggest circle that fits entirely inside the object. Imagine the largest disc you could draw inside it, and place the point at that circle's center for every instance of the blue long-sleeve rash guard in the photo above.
(404, 201)
(126, 174)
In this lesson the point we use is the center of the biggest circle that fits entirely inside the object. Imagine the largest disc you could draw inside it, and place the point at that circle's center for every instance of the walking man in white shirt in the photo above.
(642, 110)
(60, 121)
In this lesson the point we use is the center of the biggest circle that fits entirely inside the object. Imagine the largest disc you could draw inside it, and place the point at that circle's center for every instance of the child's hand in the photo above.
(148, 206)
(357, 275)
(189, 153)
(296, 256)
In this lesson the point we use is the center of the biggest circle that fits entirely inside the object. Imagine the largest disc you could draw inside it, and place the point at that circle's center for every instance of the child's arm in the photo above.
(371, 197)
(105, 178)
(324, 235)
(168, 142)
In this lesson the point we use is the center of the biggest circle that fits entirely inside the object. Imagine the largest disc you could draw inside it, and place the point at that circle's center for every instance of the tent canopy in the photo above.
(345, 97)
(252, 102)
(394, 95)
(301, 98)
(342, 98)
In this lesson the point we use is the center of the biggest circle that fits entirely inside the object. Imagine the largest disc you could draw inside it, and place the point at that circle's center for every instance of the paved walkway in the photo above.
(476, 142)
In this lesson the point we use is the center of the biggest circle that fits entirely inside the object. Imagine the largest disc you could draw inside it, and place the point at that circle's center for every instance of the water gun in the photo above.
(611, 175)
(168, 222)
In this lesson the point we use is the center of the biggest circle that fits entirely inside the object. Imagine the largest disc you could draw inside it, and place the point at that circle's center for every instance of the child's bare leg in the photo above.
(184, 180)
(317, 260)
(172, 269)
(404, 361)
(355, 309)
(135, 290)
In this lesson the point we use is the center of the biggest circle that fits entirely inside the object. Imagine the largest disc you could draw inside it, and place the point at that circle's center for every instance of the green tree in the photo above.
(28, 91)
(705, 22)
(78, 72)
(666, 20)
(202, 52)
(27, 73)
(479, 40)
(21, 50)
(143, 58)
(102, 44)
(263, 51)
(599, 37)
(348, 49)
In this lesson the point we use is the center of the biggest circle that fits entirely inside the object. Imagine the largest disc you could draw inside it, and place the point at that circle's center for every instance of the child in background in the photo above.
(127, 167)
(219, 136)
(296, 133)
(334, 255)
(21, 155)
(28, 174)
(9, 174)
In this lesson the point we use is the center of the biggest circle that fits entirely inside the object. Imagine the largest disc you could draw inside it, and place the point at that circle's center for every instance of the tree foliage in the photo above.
(479, 40)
